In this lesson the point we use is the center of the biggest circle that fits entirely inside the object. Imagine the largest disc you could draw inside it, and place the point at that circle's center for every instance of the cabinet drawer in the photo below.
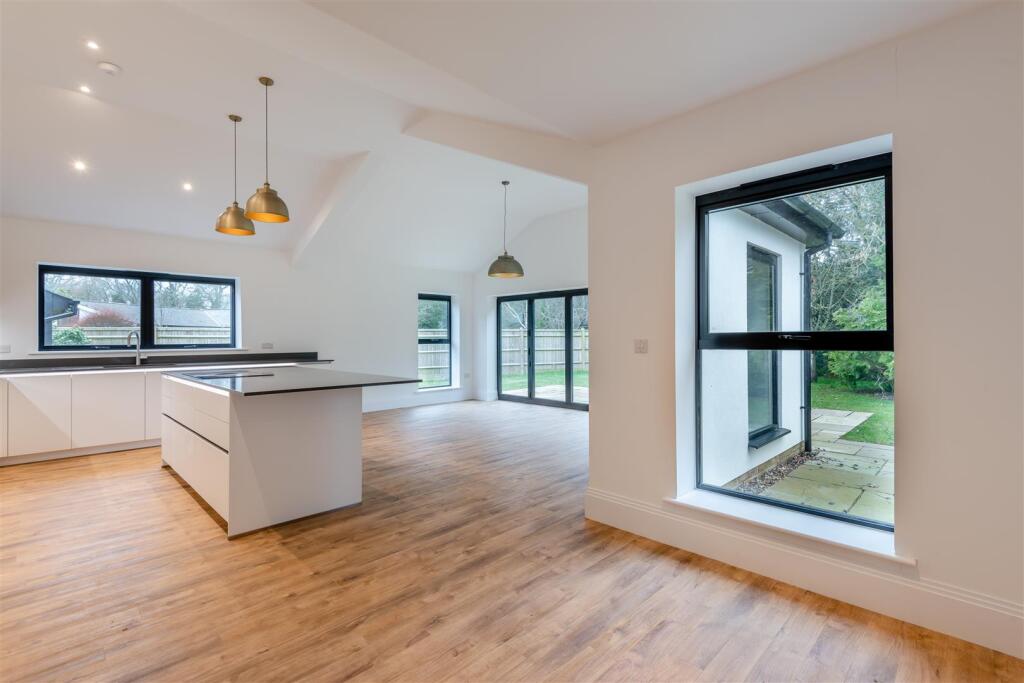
(201, 464)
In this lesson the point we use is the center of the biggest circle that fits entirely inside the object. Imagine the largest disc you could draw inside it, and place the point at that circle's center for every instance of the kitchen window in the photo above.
(97, 309)
(434, 337)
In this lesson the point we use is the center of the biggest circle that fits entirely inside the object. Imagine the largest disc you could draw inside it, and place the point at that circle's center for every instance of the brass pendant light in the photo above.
(233, 220)
(265, 206)
(505, 266)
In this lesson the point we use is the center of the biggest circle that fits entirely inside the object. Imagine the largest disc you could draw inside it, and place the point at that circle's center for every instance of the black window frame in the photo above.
(447, 299)
(568, 295)
(765, 434)
(147, 304)
(807, 341)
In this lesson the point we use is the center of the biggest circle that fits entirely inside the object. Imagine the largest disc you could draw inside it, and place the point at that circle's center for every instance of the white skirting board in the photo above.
(75, 452)
(979, 618)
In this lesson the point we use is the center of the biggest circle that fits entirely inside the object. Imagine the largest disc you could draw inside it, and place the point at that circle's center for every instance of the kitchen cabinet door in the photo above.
(3, 418)
(38, 414)
(153, 401)
(107, 408)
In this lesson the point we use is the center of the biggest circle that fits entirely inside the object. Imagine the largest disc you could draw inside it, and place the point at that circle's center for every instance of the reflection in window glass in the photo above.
(88, 310)
(191, 313)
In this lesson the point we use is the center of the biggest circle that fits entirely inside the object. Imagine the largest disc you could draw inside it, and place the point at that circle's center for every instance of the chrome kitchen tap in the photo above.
(138, 346)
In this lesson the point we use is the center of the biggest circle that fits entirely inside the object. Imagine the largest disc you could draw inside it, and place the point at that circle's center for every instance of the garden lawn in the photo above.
(580, 378)
(827, 393)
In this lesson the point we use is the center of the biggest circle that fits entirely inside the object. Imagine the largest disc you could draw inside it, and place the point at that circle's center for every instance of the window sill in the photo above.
(873, 542)
(428, 390)
(766, 437)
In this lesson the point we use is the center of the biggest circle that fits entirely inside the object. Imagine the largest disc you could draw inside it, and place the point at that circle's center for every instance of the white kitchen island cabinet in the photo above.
(270, 445)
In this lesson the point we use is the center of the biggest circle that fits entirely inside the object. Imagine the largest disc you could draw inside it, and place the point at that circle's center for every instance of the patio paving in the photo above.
(852, 477)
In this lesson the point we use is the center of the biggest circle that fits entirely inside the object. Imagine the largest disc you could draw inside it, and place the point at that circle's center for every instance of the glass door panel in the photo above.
(549, 349)
(513, 322)
(581, 349)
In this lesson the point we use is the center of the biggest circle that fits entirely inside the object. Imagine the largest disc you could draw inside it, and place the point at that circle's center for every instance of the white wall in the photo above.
(951, 95)
(553, 252)
(724, 375)
(347, 306)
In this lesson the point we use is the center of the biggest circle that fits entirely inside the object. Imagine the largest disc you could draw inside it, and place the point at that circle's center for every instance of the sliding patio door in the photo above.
(544, 348)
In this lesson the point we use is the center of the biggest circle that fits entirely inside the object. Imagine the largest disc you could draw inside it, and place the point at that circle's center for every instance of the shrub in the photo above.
(105, 318)
(70, 336)
(854, 368)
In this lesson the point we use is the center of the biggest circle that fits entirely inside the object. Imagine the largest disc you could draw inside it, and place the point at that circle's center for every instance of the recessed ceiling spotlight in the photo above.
(79, 165)
(92, 45)
(84, 88)
(186, 186)
(108, 68)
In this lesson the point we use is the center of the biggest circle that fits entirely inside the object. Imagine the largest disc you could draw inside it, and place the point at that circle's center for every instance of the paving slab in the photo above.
(829, 475)
(846, 461)
(871, 450)
(885, 483)
(839, 446)
(819, 412)
(814, 494)
(874, 505)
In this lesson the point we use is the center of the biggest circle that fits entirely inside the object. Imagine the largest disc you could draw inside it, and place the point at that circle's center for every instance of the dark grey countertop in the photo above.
(93, 364)
(286, 380)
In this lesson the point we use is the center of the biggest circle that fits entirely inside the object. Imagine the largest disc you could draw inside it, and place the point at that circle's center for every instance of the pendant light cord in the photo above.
(504, 227)
(266, 133)
(234, 125)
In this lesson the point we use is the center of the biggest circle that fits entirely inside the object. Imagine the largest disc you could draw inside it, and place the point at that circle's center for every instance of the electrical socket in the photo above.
(267, 345)
(639, 346)
(5, 348)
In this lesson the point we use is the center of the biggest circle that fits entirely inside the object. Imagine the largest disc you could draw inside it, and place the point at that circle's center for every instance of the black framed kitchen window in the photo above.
(99, 309)
(434, 341)
(794, 355)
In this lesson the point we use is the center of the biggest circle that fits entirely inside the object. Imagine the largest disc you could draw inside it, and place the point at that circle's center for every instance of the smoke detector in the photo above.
(108, 68)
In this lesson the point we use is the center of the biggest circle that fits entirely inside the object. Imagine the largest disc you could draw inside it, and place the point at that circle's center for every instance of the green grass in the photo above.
(580, 378)
(827, 393)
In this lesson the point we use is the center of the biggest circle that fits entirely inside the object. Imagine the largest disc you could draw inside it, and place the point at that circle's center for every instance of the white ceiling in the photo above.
(350, 77)
(595, 70)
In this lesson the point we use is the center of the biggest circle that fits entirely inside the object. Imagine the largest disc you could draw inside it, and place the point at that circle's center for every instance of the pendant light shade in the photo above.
(266, 206)
(505, 266)
(233, 220)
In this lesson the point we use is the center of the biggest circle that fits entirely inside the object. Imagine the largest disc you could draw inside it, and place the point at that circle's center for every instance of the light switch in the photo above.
(639, 346)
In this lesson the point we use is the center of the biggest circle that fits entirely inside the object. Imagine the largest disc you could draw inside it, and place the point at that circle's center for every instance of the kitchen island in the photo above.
(264, 446)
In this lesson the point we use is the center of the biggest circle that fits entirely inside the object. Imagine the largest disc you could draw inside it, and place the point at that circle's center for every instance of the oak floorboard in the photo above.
(468, 560)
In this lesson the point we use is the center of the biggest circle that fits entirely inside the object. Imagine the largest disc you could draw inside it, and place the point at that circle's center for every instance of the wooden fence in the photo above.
(164, 335)
(549, 350)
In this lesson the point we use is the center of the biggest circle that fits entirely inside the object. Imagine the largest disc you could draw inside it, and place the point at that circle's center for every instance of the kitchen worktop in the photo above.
(283, 380)
(94, 364)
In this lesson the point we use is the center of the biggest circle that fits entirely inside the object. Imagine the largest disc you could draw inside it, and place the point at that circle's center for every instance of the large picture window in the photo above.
(434, 334)
(97, 309)
(795, 341)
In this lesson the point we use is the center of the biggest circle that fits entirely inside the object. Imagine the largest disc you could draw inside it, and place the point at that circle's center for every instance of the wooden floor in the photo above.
(469, 560)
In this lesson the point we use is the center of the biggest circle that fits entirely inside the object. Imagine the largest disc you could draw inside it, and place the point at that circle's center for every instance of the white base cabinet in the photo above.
(107, 408)
(38, 414)
(3, 418)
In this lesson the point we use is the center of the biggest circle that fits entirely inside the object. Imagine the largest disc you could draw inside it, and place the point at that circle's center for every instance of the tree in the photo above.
(842, 274)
